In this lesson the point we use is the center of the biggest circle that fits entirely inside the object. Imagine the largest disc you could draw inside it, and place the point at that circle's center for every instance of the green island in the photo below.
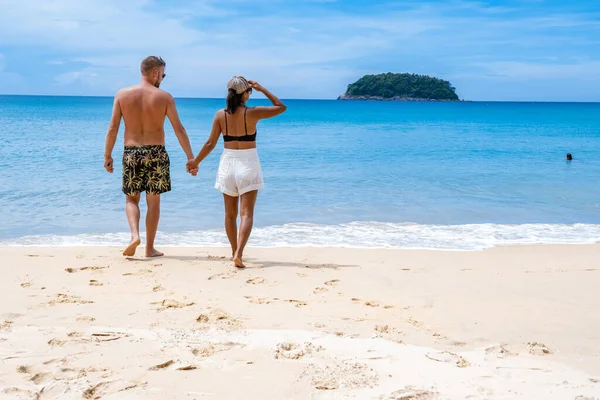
(400, 87)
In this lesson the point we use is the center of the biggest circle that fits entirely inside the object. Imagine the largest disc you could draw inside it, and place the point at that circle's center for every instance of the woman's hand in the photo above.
(192, 167)
(256, 86)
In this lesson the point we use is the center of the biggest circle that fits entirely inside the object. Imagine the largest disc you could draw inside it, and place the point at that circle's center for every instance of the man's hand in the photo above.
(108, 164)
(256, 86)
(192, 167)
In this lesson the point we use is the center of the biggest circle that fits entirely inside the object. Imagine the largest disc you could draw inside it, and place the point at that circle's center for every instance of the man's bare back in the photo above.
(144, 108)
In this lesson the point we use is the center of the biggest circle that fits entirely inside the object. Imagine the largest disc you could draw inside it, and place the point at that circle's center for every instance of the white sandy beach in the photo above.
(301, 323)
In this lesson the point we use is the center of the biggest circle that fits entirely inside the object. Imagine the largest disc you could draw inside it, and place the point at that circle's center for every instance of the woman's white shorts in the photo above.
(239, 172)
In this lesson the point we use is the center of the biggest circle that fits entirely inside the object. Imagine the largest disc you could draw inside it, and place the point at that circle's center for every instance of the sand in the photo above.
(302, 323)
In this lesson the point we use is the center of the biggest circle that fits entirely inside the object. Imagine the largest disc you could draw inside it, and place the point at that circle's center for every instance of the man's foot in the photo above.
(237, 261)
(153, 253)
(130, 250)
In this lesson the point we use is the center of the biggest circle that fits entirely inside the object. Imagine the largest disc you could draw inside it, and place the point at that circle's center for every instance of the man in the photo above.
(146, 165)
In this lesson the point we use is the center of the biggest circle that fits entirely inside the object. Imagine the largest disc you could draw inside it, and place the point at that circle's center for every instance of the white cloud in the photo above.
(78, 25)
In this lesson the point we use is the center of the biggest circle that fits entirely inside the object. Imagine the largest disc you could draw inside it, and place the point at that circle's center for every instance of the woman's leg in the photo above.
(247, 202)
(231, 213)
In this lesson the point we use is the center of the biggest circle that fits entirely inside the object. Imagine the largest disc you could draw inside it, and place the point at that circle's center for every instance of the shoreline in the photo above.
(302, 322)
(361, 235)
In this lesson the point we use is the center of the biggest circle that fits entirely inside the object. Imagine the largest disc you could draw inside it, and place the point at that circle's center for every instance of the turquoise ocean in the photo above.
(461, 176)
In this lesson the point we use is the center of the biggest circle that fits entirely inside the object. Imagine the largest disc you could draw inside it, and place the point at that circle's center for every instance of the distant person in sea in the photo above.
(239, 176)
(146, 166)
(569, 157)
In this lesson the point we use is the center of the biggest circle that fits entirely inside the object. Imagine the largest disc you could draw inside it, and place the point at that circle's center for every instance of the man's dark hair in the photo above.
(150, 63)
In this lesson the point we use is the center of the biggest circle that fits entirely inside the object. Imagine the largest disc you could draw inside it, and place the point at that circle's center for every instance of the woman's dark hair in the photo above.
(234, 100)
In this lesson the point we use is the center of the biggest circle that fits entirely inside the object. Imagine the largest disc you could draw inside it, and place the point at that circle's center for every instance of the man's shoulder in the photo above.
(126, 90)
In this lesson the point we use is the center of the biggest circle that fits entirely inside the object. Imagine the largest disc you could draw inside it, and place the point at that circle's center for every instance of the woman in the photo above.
(239, 176)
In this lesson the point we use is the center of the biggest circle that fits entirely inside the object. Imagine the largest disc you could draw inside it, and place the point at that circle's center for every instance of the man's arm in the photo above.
(111, 135)
(180, 132)
(211, 142)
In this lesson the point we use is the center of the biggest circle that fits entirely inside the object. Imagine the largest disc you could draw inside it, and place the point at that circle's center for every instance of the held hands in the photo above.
(192, 167)
(256, 86)
(108, 164)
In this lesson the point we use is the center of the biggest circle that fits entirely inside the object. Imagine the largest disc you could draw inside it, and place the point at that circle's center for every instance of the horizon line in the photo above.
(321, 99)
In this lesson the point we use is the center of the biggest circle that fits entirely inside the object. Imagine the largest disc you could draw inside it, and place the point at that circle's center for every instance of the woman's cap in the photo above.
(239, 84)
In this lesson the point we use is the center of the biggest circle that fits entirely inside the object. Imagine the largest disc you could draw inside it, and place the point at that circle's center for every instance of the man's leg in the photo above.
(153, 201)
(132, 209)
(231, 213)
(247, 202)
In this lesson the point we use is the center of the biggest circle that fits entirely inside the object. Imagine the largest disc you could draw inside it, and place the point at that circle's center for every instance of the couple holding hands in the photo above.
(146, 167)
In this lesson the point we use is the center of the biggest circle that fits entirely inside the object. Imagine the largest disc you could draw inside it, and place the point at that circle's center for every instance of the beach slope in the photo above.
(305, 323)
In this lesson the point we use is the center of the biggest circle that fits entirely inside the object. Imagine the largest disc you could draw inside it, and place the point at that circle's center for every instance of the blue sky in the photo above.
(490, 50)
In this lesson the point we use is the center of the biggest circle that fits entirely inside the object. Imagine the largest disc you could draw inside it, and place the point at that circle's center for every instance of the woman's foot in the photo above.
(152, 252)
(130, 250)
(237, 261)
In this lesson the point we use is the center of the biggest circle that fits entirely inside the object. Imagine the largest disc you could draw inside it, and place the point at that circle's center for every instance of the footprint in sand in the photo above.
(23, 369)
(320, 290)
(41, 378)
(100, 389)
(211, 349)
(372, 304)
(164, 365)
(222, 275)
(157, 288)
(108, 336)
(18, 394)
(450, 358)
(85, 319)
(295, 351)
(220, 318)
(257, 300)
(91, 268)
(410, 393)
(5, 326)
(297, 303)
(538, 349)
(255, 281)
(94, 282)
(169, 303)
(210, 257)
(62, 298)
(187, 368)
(499, 351)
(56, 342)
(167, 364)
(333, 282)
(385, 329)
(415, 323)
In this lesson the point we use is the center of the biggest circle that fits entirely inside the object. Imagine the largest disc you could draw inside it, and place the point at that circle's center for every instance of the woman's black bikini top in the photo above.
(240, 138)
